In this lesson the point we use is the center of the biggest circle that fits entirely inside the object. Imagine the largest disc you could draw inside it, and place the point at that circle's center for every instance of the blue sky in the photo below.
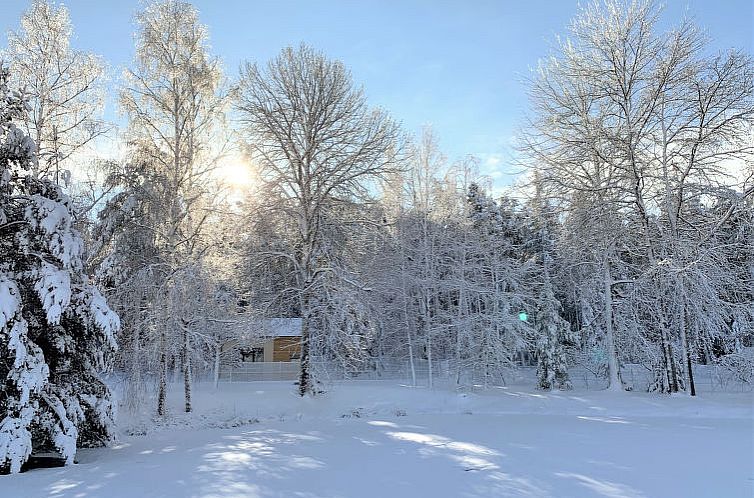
(458, 64)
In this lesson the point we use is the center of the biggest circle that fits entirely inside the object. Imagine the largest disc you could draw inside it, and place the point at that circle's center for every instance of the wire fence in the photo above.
(260, 371)
(707, 378)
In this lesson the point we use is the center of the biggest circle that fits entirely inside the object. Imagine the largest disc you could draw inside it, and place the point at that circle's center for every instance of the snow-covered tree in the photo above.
(56, 330)
(317, 144)
(552, 332)
(64, 87)
(632, 154)
(174, 102)
(504, 278)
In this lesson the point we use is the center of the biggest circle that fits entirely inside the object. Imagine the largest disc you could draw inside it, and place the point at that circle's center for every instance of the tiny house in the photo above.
(267, 340)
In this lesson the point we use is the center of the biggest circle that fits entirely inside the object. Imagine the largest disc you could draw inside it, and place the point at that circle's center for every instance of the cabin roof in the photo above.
(247, 329)
(280, 327)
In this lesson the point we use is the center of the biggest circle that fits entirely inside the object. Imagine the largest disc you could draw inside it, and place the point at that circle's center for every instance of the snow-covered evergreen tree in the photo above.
(552, 332)
(504, 271)
(56, 330)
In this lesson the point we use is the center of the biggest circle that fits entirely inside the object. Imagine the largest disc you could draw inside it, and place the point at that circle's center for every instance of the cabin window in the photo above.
(252, 354)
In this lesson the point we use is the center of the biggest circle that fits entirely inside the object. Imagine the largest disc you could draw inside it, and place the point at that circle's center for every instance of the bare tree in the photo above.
(317, 143)
(423, 185)
(64, 86)
(637, 126)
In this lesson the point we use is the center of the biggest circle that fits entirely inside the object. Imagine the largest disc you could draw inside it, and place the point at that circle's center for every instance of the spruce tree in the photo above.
(552, 332)
(56, 330)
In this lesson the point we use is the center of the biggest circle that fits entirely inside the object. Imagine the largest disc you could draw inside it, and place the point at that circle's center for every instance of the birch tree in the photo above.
(638, 123)
(65, 87)
(174, 102)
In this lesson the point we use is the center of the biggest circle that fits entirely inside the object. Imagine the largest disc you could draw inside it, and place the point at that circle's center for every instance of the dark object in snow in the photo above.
(354, 414)
(44, 460)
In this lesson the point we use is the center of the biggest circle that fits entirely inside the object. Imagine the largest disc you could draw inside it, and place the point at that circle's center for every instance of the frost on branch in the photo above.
(105, 319)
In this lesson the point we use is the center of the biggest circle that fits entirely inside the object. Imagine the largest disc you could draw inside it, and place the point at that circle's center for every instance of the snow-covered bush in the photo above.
(740, 365)
(56, 330)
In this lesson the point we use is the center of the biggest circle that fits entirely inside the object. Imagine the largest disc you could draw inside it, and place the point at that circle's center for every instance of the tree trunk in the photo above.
(612, 357)
(186, 370)
(304, 382)
(428, 339)
(667, 355)
(692, 387)
(411, 354)
(216, 372)
(673, 372)
(407, 319)
(667, 352)
(135, 394)
(429, 357)
(163, 382)
(687, 355)
(461, 315)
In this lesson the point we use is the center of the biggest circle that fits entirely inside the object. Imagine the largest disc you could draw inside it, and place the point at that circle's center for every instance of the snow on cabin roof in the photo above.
(280, 327)
(247, 328)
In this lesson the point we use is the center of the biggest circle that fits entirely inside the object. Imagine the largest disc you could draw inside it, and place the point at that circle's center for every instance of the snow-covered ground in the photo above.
(380, 439)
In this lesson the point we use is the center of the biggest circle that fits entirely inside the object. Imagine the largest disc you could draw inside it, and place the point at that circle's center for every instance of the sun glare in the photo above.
(235, 171)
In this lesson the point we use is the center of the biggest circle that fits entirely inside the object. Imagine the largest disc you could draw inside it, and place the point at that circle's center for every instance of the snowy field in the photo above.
(380, 439)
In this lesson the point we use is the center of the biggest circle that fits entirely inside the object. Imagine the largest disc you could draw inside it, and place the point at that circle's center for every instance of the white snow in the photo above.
(54, 290)
(29, 372)
(104, 317)
(269, 327)
(65, 432)
(9, 300)
(379, 439)
(15, 439)
(55, 220)
(282, 327)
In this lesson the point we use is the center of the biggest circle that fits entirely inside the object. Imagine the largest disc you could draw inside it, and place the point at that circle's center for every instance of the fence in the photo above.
(260, 371)
(707, 378)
